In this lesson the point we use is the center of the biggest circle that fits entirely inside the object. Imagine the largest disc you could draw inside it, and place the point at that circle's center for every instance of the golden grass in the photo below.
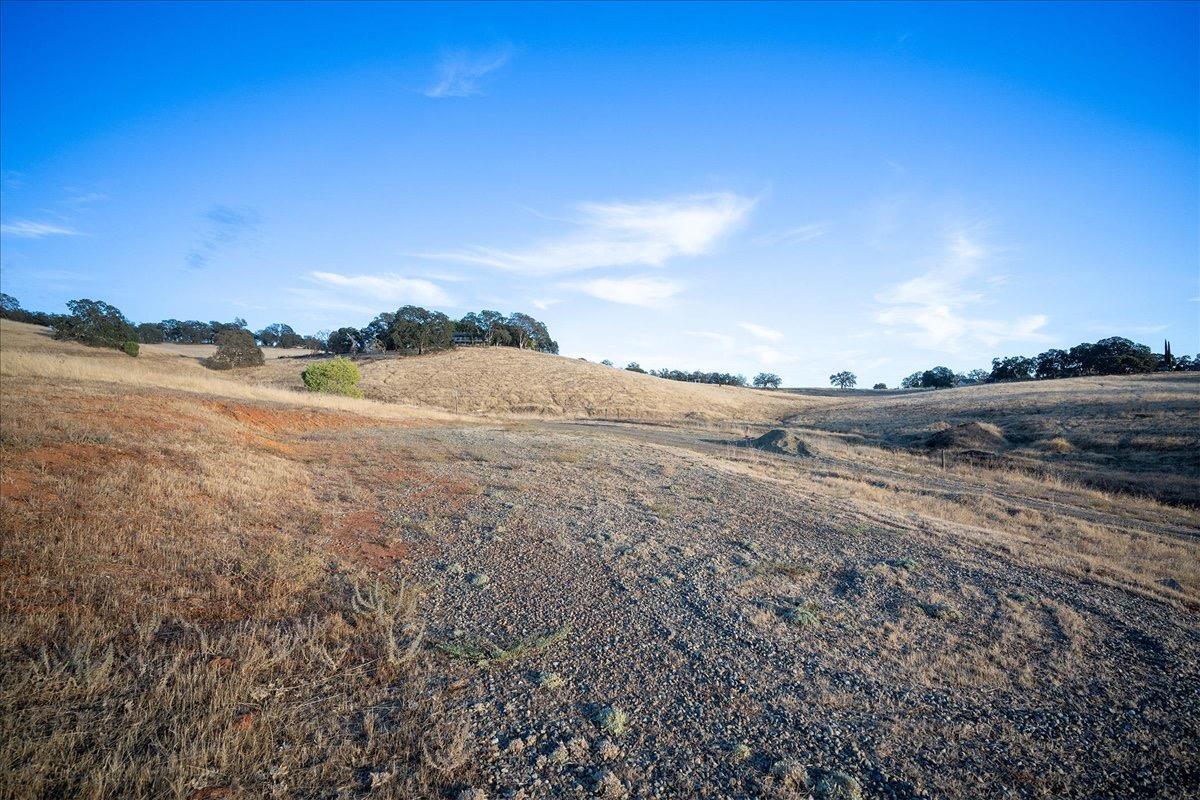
(27, 352)
(199, 351)
(522, 383)
(1138, 434)
(181, 598)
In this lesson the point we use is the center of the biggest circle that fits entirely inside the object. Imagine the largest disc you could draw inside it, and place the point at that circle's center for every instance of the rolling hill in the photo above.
(507, 381)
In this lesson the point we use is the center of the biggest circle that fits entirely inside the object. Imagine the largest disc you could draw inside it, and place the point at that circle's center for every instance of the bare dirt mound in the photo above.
(981, 436)
(782, 441)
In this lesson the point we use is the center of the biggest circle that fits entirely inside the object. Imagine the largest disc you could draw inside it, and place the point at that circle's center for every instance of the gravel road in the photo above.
(662, 622)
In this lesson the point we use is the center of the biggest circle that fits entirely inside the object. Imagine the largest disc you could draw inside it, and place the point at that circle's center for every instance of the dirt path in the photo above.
(932, 481)
(759, 639)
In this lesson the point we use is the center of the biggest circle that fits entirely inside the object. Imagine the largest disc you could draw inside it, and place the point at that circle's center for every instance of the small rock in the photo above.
(607, 750)
(560, 754)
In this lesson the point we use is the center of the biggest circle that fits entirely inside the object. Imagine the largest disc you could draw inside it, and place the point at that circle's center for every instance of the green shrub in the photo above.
(336, 376)
(130, 349)
(235, 348)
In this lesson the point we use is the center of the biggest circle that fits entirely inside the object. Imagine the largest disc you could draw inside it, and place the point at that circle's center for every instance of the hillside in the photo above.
(27, 352)
(507, 381)
(267, 591)
(1137, 433)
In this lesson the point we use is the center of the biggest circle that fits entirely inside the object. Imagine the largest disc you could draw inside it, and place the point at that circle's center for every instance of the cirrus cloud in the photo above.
(647, 233)
(761, 331)
(31, 229)
(386, 286)
(931, 310)
(645, 290)
(461, 72)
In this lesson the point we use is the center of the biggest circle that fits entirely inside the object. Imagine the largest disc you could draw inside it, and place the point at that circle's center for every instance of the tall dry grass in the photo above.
(172, 622)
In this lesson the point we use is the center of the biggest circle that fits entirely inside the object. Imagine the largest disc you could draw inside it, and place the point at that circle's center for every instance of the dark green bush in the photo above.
(130, 349)
(336, 376)
(94, 322)
(235, 348)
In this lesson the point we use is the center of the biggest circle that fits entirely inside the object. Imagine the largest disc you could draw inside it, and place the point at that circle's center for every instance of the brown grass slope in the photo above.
(1134, 433)
(28, 352)
(507, 381)
(196, 601)
(215, 589)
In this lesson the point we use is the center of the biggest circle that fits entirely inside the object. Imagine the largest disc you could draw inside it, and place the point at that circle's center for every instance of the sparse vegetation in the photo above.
(837, 785)
(550, 680)
(485, 652)
(170, 627)
(612, 720)
(803, 615)
(941, 610)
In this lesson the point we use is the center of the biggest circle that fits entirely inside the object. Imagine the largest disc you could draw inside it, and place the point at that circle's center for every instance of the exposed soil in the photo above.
(968, 436)
(747, 625)
(781, 441)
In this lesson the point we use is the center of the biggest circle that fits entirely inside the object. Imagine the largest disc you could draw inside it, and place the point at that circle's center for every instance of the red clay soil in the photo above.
(282, 420)
(22, 470)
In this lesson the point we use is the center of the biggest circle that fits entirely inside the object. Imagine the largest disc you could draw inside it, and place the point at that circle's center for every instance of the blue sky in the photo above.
(793, 188)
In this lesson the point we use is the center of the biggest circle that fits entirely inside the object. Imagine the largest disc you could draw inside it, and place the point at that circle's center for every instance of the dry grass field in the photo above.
(507, 381)
(216, 586)
(199, 351)
(1135, 433)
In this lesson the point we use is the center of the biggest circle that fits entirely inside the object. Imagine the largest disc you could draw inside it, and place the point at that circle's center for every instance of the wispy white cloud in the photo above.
(802, 233)
(387, 286)
(224, 226)
(931, 309)
(461, 72)
(761, 331)
(543, 303)
(81, 199)
(31, 229)
(770, 356)
(320, 299)
(645, 290)
(723, 339)
(646, 233)
(444, 277)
